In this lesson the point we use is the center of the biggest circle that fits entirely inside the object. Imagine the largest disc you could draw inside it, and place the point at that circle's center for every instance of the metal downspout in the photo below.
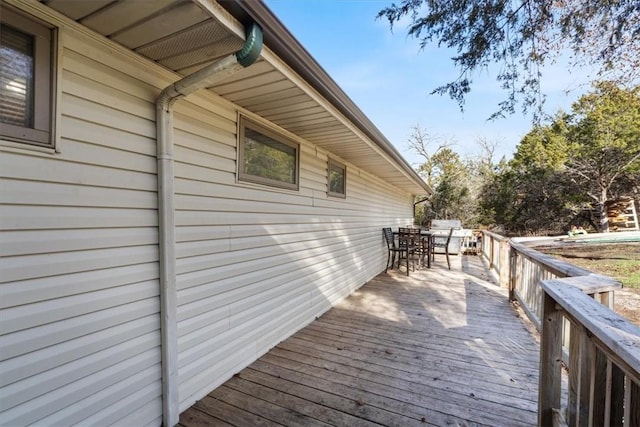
(166, 220)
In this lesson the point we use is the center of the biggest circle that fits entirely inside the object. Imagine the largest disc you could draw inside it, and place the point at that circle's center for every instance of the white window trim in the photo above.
(333, 162)
(43, 133)
(245, 122)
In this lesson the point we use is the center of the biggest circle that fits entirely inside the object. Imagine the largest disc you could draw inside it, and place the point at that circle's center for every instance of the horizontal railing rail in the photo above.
(523, 269)
(572, 309)
(604, 361)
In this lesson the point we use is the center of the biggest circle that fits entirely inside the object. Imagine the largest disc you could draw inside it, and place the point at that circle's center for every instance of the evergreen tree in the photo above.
(522, 36)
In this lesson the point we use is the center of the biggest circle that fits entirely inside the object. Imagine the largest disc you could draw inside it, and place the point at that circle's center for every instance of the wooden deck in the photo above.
(439, 347)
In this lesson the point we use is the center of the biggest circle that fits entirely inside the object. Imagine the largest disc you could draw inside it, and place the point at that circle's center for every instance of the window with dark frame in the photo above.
(266, 157)
(337, 179)
(26, 79)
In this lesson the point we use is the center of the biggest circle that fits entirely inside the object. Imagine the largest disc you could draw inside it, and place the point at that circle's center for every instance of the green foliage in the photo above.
(606, 129)
(456, 183)
(521, 36)
(447, 175)
(559, 171)
(451, 195)
(544, 147)
(494, 200)
(562, 168)
(606, 132)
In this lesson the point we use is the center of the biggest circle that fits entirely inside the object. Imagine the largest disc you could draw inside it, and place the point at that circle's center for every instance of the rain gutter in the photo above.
(202, 78)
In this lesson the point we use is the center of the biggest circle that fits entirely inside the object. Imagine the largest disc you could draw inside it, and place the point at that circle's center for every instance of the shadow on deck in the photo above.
(437, 348)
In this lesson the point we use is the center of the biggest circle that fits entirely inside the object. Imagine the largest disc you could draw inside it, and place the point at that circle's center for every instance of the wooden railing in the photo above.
(604, 360)
(523, 269)
(495, 248)
(572, 309)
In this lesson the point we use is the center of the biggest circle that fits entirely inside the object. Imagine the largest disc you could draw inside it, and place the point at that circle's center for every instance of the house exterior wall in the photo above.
(79, 295)
(79, 288)
(255, 263)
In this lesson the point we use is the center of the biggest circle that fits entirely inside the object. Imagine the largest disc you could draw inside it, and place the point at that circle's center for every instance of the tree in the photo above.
(269, 159)
(445, 173)
(451, 197)
(427, 146)
(523, 35)
(606, 132)
(545, 147)
(457, 183)
(481, 171)
(589, 156)
(531, 193)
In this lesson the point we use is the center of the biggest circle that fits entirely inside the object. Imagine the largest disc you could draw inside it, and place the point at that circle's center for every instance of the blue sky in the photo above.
(387, 75)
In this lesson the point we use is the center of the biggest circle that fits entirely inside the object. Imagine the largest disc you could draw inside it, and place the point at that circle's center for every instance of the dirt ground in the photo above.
(620, 261)
(627, 304)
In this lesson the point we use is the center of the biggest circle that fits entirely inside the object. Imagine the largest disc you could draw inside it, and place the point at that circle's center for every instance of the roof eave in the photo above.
(285, 45)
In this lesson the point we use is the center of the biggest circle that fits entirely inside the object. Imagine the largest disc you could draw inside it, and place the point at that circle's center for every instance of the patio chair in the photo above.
(403, 248)
(438, 243)
(409, 240)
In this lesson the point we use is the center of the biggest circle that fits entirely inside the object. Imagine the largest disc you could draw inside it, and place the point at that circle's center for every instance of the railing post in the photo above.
(633, 403)
(606, 298)
(615, 380)
(598, 389)
(490, 252)
(579, 377)
(504, 263)
(485, 241)
(550, 362)
(512, 274)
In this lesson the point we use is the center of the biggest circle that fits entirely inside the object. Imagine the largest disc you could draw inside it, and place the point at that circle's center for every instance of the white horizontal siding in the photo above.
(46, 241)
(254, 263)
(68, 171)
(47, 335)
(21, 192)
(91, 394)
(48, 380)
(55, 263)
(17, 217)
(79, 290)
(43, 312)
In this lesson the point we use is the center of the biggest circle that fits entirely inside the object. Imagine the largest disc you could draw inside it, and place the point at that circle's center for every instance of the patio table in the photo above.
(426, 237)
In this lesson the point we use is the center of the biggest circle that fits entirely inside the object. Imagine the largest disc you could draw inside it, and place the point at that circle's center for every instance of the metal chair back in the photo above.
(444, 245)
(388, 236)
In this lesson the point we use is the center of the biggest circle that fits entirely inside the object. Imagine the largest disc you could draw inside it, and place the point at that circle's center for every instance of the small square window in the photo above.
(337, 179)
(265, 157)
(26, 77)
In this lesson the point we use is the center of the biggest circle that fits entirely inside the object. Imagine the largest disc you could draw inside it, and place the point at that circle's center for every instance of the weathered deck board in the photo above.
(436, 348)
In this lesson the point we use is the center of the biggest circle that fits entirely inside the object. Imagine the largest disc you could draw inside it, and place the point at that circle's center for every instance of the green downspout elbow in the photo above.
(252, 46)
